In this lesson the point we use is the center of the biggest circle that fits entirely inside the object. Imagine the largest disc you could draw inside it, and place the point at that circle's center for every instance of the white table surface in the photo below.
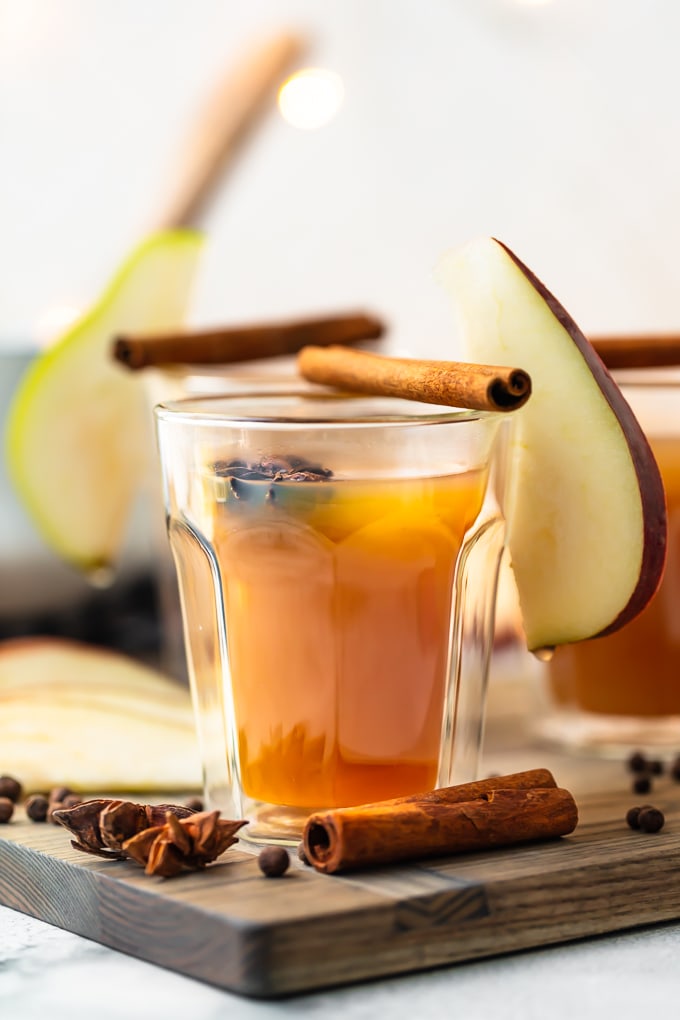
(45, 972)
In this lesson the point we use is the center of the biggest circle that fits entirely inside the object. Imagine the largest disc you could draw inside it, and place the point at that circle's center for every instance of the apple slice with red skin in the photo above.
(584, 497)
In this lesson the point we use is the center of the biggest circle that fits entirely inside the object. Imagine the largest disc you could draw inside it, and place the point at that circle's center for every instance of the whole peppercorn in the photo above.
(59, 793)
(6, 809)
(36, 807)
(650, 819)
(273, 861)
(10, 788)
(637, 762)
(656, 767)
(71, 800)
(642, 784)
(675, 769)
(632, 817)
(194, 804)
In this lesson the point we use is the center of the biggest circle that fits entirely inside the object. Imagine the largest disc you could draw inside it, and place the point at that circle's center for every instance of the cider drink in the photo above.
(338, 605)
(636, 670)
(337, 561)
(622, 691)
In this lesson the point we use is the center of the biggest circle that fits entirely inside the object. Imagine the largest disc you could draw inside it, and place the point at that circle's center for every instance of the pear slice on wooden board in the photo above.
(72, 714)
(78, 430)
(585, 501)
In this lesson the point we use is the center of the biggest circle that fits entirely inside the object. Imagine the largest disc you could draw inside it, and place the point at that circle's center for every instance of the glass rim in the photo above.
(197, 411)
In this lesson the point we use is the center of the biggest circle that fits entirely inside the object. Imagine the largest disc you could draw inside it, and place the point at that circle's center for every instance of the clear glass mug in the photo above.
(620, 693)
(337, 560)
(163, 383)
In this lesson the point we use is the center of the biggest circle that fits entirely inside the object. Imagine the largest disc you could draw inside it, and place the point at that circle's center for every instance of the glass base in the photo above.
(611, 736)
(270, 824)
(267, 823)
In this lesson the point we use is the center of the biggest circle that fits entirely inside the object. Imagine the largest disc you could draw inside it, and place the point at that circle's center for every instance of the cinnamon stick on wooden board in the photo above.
(244, 343)
(529, 779)
(652, 350)
(501, 813)
(451, 383)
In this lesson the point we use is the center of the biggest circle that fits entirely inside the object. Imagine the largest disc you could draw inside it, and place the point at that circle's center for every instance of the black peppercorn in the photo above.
(273, 861)
(59, 793)
(36, 807)
(10, 788)
(642, 784)
(637, 762)
(675, 769)
(656, 767)
(650, 819)
(71, 800)
(632, 817)
(6, 809)
(194, 804)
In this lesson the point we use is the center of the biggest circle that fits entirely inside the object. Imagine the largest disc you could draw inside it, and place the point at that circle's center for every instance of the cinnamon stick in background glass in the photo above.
(651, 350)
(245, 343)
(450, 383)
(474, 816)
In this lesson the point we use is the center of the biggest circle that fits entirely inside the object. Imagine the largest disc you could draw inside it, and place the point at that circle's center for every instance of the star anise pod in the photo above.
(101, 827)
(182, 843)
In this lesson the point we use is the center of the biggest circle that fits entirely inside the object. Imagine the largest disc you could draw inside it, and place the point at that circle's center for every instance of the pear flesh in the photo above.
(93, 719)
(584, 500)
(79, 431)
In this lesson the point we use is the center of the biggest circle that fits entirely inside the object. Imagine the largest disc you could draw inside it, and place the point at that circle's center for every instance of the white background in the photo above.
(553, 126)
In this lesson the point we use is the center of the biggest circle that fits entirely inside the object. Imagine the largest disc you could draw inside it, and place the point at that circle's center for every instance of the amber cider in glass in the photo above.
(636, 670)
(337, 601)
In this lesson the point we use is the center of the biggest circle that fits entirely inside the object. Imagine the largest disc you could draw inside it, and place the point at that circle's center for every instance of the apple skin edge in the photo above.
(652, 493)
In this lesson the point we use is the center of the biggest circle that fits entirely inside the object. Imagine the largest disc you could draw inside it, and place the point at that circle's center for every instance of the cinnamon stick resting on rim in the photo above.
(244, 343)
(643, 351)
(451, 383)
(501, 814)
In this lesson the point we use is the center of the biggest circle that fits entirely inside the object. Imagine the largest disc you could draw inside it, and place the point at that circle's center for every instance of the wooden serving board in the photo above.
(232, 927)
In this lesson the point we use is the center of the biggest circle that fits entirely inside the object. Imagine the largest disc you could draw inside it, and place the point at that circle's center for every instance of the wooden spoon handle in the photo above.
(230, 111)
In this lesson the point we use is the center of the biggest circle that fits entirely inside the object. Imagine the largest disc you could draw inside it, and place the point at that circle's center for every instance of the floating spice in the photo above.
(253, 483)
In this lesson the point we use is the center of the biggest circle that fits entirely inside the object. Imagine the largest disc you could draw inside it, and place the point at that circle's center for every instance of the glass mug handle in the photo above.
(473, 619)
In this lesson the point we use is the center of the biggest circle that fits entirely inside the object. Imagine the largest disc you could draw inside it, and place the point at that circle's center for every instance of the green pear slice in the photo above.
(77, 430)
(93, 719)
(584, 501)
